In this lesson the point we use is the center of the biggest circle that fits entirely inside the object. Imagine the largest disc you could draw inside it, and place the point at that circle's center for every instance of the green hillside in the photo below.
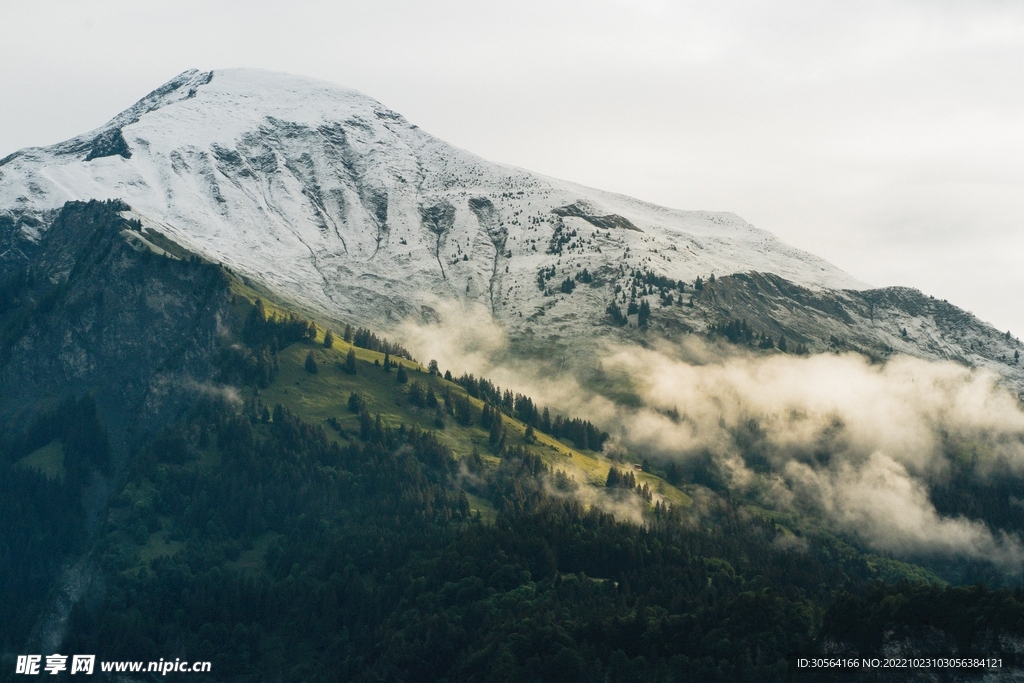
(323, 396)
(310, 517)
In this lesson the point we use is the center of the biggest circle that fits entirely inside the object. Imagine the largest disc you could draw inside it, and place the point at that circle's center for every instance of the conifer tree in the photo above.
(365, 425)
(350, 361)
(614, 478)
(615, 312)
(387, 362)
(402, 377)
(328, 339)
(311, 367)
(497, 434)
(416, 394)
(348, 334)
(674, 476)
(644, 313)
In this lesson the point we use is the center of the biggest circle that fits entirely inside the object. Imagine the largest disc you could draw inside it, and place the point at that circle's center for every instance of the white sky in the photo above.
(887, 137)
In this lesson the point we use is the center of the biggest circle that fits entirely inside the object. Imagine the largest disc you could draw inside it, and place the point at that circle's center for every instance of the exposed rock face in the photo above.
(876, 322)
(99, 312)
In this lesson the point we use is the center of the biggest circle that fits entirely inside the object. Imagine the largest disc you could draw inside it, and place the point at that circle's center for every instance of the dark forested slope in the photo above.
(189, 473)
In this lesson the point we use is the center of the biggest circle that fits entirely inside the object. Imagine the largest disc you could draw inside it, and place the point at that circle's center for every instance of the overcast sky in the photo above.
(887, 137)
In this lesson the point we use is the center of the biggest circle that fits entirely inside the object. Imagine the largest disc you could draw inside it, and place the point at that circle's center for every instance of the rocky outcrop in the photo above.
(876, 322)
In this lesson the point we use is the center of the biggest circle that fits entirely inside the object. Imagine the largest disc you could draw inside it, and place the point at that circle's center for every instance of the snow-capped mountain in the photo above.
(331, 199)
(339, 205)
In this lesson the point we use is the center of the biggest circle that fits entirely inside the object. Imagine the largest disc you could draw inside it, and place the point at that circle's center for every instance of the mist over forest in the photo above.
(864, 446)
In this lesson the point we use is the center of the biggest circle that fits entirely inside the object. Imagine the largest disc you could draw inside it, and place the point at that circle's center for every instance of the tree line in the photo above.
(523, 408)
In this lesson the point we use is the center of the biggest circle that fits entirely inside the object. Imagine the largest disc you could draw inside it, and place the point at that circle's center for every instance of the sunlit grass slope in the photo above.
(323, 396)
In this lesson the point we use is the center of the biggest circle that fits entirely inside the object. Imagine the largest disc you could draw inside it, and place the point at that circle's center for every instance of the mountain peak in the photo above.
(183, 86)
(326, 197)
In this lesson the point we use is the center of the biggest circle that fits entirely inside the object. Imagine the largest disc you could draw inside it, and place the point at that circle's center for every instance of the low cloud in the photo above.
(890, 510)
(625, 504)
(855, 442)
(224, 392)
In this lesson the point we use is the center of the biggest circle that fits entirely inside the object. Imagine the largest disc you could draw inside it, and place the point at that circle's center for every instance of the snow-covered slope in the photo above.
(337, 203)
